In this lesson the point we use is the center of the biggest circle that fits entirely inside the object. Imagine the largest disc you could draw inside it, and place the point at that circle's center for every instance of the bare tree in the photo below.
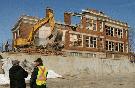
(131, 39)
(132, 44)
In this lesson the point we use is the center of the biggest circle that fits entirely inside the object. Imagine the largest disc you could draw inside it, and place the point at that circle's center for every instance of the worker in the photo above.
(39, 75)
(17, 75)
(7, 47)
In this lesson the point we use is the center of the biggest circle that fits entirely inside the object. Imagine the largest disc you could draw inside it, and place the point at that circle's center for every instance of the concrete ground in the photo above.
(85, 80)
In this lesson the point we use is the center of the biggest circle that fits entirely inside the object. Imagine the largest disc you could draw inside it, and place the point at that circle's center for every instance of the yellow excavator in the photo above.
(21, 42)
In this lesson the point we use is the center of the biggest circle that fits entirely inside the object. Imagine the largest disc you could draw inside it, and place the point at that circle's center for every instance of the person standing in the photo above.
(7, 47)
(39, 75)
(17, 75)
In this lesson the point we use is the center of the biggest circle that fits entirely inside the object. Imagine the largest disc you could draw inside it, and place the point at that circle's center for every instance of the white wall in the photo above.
(75, 65)
(43, 33)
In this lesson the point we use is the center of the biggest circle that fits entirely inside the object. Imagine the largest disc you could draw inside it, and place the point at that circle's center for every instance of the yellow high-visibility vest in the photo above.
(42, 76)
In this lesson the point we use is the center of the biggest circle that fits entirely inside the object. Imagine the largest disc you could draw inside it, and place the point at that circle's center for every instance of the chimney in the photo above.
(67, 18)
(48, 10)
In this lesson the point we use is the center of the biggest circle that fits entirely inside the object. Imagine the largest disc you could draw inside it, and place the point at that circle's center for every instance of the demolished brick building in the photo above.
(96, 35)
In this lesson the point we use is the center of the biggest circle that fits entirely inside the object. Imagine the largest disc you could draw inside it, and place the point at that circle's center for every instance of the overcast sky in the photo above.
(11, 10)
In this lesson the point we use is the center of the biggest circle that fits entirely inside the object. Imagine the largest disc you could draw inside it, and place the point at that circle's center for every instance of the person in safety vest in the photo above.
(39, 75)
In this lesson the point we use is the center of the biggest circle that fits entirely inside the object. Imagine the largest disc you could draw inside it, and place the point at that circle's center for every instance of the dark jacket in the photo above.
(17, 77)
(33, 79)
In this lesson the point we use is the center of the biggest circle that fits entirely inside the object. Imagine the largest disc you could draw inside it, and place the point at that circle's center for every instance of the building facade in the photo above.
(96, 34)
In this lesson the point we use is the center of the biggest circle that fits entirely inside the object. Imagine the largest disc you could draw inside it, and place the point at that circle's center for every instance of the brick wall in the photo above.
(98, 33)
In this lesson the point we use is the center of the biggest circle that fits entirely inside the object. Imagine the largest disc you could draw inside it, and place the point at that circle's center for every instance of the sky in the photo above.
(11, 10)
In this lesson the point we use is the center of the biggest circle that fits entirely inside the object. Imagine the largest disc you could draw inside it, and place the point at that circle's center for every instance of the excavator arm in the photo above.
(36, 27)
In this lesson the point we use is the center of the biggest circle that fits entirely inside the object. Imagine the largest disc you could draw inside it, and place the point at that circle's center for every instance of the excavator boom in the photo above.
(36, 27)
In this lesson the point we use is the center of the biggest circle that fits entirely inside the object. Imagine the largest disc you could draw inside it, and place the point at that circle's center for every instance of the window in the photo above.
(91, 42)
(79, 38)
(121, 49)
(101, 26)
(91, 24)
(116, 47)
(87, 41)
(75, 54)
(76, 40)
(106, 45)
(119, 33)
(116, 31)
(73, 40)
(90, 55)
(109, 45)
(106, 27)
(109, 31)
